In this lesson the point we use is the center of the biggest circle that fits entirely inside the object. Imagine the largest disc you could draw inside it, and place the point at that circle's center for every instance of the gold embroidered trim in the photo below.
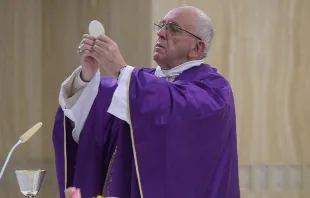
(171, 78)
(108, 176)
(133, 141)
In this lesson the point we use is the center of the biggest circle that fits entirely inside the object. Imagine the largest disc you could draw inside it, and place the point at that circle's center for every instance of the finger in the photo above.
(92, 54)
(101, 44)
(86, 47)
(89, 53)
(88, 41)
(102, 53)
(100, 50)
(84, 53)
(89, 37)
(105, 39)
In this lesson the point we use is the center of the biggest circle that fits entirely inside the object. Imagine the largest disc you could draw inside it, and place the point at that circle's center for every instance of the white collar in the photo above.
(178, 69)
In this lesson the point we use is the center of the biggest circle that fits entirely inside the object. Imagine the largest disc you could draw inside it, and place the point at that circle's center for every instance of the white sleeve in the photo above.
(119, 104)
(76, 106)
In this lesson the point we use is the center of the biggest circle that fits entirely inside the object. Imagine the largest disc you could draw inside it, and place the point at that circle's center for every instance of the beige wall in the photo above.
(262, 47)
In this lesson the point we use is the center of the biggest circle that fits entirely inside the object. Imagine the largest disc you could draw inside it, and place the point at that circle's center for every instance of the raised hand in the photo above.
(86, 53)
(108, 55)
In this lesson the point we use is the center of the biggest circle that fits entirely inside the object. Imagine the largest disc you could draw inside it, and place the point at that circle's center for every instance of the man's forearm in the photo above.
(76, 98)
(71, 89)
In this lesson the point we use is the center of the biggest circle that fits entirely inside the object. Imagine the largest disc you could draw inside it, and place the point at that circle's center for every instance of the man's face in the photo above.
(173, 46)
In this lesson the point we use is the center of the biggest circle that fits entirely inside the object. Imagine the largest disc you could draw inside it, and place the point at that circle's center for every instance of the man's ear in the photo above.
(198, 50)
(201, 47)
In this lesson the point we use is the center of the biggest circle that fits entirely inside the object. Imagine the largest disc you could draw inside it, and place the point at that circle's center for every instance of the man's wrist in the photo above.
(85, 77)
(81, 77)
(120, 72)
(80, 80)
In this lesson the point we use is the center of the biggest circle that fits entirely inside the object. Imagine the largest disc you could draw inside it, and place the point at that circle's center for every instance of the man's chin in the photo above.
(157, 57)
(160, 60)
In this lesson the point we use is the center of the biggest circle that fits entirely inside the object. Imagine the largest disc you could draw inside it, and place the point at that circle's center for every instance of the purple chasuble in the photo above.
(182, 140)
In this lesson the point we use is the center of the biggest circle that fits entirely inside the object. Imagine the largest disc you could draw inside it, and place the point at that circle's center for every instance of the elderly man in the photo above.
(164, 132)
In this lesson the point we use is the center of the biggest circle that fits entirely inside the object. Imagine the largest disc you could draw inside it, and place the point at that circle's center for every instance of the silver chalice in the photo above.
(30, 181)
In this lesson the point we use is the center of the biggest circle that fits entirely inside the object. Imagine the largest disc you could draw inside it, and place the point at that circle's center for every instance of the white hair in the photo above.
(204, 29)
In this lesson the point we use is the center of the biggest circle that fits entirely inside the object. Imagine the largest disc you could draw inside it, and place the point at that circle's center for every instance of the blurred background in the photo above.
(261, 46)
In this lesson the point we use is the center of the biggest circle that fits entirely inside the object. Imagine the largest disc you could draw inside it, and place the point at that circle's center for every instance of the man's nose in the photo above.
(162, 33)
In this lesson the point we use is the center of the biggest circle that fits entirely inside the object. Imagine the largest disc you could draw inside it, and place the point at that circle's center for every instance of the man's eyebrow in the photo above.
(170, 22)
(173, 22)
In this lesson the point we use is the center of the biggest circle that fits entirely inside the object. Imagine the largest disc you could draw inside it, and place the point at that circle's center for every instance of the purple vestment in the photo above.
(182, 140)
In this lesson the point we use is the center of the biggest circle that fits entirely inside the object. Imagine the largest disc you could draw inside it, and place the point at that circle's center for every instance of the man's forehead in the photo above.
(179, 16)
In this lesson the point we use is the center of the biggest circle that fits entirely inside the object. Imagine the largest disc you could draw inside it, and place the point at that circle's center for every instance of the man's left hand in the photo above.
(108, 55)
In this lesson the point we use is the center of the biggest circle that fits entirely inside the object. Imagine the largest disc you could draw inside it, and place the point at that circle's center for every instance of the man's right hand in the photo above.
(89, 64)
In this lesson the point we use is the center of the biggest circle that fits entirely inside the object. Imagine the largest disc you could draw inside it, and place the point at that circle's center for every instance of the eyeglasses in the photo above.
(172, 27)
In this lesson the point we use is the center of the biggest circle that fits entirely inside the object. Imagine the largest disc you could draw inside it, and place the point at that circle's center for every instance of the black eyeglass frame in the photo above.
(164, 24)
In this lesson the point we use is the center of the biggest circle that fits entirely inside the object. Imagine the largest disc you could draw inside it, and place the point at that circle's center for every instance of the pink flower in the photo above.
(73, 192)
